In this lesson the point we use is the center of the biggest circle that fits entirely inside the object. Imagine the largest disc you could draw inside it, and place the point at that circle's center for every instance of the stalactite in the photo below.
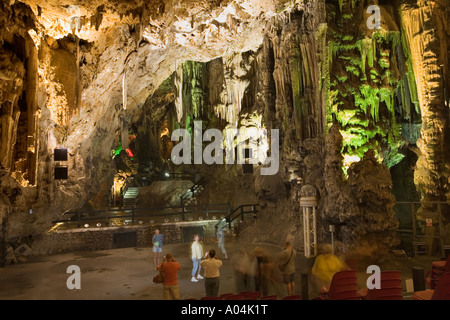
(78, 84)
(124, 90)
(235, 87)
(298, 78)
(178, 83)
(363, 91)
(189, 83)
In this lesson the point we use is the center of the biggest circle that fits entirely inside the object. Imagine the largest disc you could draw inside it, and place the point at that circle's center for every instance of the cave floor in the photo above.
(127, 273)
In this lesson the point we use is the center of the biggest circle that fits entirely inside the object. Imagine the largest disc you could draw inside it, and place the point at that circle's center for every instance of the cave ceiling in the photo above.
(90, 68)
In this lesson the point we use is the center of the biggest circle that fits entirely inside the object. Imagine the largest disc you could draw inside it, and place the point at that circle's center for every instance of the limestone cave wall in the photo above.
(350, 102)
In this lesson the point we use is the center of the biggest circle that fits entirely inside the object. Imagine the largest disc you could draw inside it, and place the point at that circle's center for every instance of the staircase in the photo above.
(188, 198)
(191, 196)
(130, 197)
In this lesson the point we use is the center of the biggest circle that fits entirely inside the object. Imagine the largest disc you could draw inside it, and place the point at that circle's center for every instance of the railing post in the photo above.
(183, 213)
(228, 215)
(418, 275)
(413, 217)
(79, 219)
(132, 214)
(107, 217)
(242, 213)
(304, 285)
(207, 211)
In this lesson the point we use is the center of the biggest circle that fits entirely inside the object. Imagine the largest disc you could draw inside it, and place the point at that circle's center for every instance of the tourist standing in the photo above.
(196, 256)
(212, 274)
(241, 264)
(157, 241)
(287, 267)
(170, 268)
(221, 242)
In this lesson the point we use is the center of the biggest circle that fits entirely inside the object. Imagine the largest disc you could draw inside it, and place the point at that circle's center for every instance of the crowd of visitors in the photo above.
(254, 270)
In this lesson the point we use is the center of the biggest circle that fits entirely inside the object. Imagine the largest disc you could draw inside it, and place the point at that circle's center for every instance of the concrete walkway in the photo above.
(124, 274)
(127, 274)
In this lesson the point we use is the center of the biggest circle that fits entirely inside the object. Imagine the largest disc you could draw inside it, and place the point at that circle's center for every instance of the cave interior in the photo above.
(109, 106)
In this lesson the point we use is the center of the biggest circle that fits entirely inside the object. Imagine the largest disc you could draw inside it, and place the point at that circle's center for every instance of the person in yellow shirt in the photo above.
(325, 266)
(212, 274)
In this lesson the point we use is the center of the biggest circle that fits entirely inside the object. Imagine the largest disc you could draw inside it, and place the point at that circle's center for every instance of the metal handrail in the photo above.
(241, 213)
(413, 230)
(145, 212)
(180, 175)
(192, 189)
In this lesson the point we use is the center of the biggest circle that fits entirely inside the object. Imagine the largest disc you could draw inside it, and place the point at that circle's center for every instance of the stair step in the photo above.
(131, 192)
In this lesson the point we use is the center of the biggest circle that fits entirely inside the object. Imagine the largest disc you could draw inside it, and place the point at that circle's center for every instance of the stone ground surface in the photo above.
(126, 274)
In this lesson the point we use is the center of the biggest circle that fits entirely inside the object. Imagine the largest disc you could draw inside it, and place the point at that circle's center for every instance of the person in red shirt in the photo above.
(170, 269)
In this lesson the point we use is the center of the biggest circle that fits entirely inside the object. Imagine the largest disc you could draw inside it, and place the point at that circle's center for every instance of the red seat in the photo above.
(343, 287)
(272, 297)
(251, 295)
(423, 295)
(438, 268)
(292, 297)
(211, 298)
(234, 297)
(390, 287)
(442, 291)
(225, 295)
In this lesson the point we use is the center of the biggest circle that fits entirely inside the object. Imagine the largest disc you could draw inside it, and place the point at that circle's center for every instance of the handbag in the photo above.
(160, 277)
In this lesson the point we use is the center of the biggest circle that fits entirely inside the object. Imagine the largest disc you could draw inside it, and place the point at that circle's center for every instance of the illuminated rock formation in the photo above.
(426, 31)
(111, 80)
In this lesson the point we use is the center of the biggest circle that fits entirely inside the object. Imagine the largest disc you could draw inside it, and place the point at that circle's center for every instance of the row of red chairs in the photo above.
(248, 295)
(344, 287)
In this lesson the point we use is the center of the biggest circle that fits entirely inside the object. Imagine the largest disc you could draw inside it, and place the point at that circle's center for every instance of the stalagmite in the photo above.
(350, 103)
(124, 90)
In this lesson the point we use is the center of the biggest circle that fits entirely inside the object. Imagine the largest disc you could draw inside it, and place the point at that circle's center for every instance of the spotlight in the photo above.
(99, 224)
(167, 174)
(86, 225)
